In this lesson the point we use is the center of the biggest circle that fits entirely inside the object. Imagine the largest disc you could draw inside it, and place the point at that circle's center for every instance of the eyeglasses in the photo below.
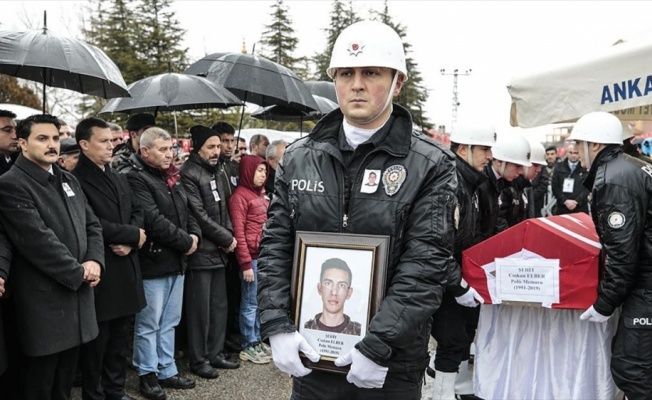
(8, 129)
(573, 152)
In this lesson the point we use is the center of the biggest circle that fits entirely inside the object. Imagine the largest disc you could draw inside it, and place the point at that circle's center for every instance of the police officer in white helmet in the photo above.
(511, 155)
(322, 185)
(454, 322)
(621, 204)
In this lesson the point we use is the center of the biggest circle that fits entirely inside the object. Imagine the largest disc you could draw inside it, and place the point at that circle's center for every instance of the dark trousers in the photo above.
(631, 354)
(319, 385)
(233, 291)
(205, 302)
(453, 328)
(49, 377)
(103, 361)
(10, 378)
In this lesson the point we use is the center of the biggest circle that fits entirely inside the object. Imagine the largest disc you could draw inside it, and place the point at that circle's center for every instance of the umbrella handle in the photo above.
(241, 118)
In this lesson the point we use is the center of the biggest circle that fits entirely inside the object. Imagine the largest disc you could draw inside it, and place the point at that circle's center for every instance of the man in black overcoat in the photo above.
(120, 295)
(58, 259)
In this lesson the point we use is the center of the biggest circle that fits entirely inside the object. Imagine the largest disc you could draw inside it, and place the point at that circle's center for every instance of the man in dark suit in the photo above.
(9, 354)
(58, 260)
(567, 187)
(120, 295)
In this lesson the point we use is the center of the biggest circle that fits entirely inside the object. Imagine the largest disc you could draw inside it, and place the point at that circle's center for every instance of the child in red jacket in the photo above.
(248, 209)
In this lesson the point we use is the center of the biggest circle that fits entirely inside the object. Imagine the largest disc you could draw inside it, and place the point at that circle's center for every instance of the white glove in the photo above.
(364, 373)
(593, 316)
(285, 351)
(469, 298)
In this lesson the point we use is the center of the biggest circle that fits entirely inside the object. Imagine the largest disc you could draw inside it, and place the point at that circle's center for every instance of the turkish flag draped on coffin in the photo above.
(571, 239)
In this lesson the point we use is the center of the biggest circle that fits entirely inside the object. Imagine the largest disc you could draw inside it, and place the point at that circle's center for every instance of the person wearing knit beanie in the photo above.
(200, 135)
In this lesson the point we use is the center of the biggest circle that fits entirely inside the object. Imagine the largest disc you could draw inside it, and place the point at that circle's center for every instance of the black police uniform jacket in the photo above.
(418, 217)
(468, 180)
(120, 292)
(622, 212)
(488, 194)
(207, 195)
(168, 221)
(54, 231)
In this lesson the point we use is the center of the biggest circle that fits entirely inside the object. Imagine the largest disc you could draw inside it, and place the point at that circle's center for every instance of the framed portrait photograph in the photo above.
(338, 284)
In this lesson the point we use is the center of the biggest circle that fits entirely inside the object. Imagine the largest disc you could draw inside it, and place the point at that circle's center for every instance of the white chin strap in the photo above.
(469, 155)
(388, 102)
(503, 164)
(587, 155)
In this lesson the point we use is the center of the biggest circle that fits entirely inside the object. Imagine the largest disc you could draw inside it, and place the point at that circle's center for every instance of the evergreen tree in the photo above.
(144, 39)
(12, 92)
(413, 95)
(279, 41)
(159, 38)
(112, 28)
(340, 18)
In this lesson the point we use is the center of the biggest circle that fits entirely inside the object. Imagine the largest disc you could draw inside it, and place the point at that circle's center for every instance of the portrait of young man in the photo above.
(335, 289)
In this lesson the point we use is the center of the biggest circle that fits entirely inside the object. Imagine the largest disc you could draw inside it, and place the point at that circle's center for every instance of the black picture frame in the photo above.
(367, 257)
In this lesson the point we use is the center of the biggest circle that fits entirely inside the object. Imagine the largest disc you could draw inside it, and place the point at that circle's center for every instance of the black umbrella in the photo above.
(172, 92)
(289, 114)
(323, 89)
(59, 61)
(255, 79)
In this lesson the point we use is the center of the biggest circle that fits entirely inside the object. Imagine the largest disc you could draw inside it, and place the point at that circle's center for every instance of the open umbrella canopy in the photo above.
(255, 79)
(323, 88)
(172, 92)
(288, 114)
(618, 80)
(59, 61)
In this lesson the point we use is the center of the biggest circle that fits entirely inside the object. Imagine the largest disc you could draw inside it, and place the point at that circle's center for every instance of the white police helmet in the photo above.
(512, 148)
(598, 127)
(474, 135)
(368, 44)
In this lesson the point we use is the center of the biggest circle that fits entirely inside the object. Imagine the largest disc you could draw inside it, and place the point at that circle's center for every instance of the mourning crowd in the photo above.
(107, 246)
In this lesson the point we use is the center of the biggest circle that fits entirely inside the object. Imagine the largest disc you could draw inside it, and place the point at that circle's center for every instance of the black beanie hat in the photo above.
(138, 121)
(200, 135)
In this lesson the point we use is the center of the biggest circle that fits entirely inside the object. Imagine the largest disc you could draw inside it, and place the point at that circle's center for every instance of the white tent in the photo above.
(21, 112)
(618, 81)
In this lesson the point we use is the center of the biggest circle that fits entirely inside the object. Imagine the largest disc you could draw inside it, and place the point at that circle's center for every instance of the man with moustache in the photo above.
(172, 235)
(103, 361)
(205, 299)
(58, 260)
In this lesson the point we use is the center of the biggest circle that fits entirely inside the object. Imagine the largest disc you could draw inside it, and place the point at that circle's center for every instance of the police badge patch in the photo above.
(616, 220)
(393, 178)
